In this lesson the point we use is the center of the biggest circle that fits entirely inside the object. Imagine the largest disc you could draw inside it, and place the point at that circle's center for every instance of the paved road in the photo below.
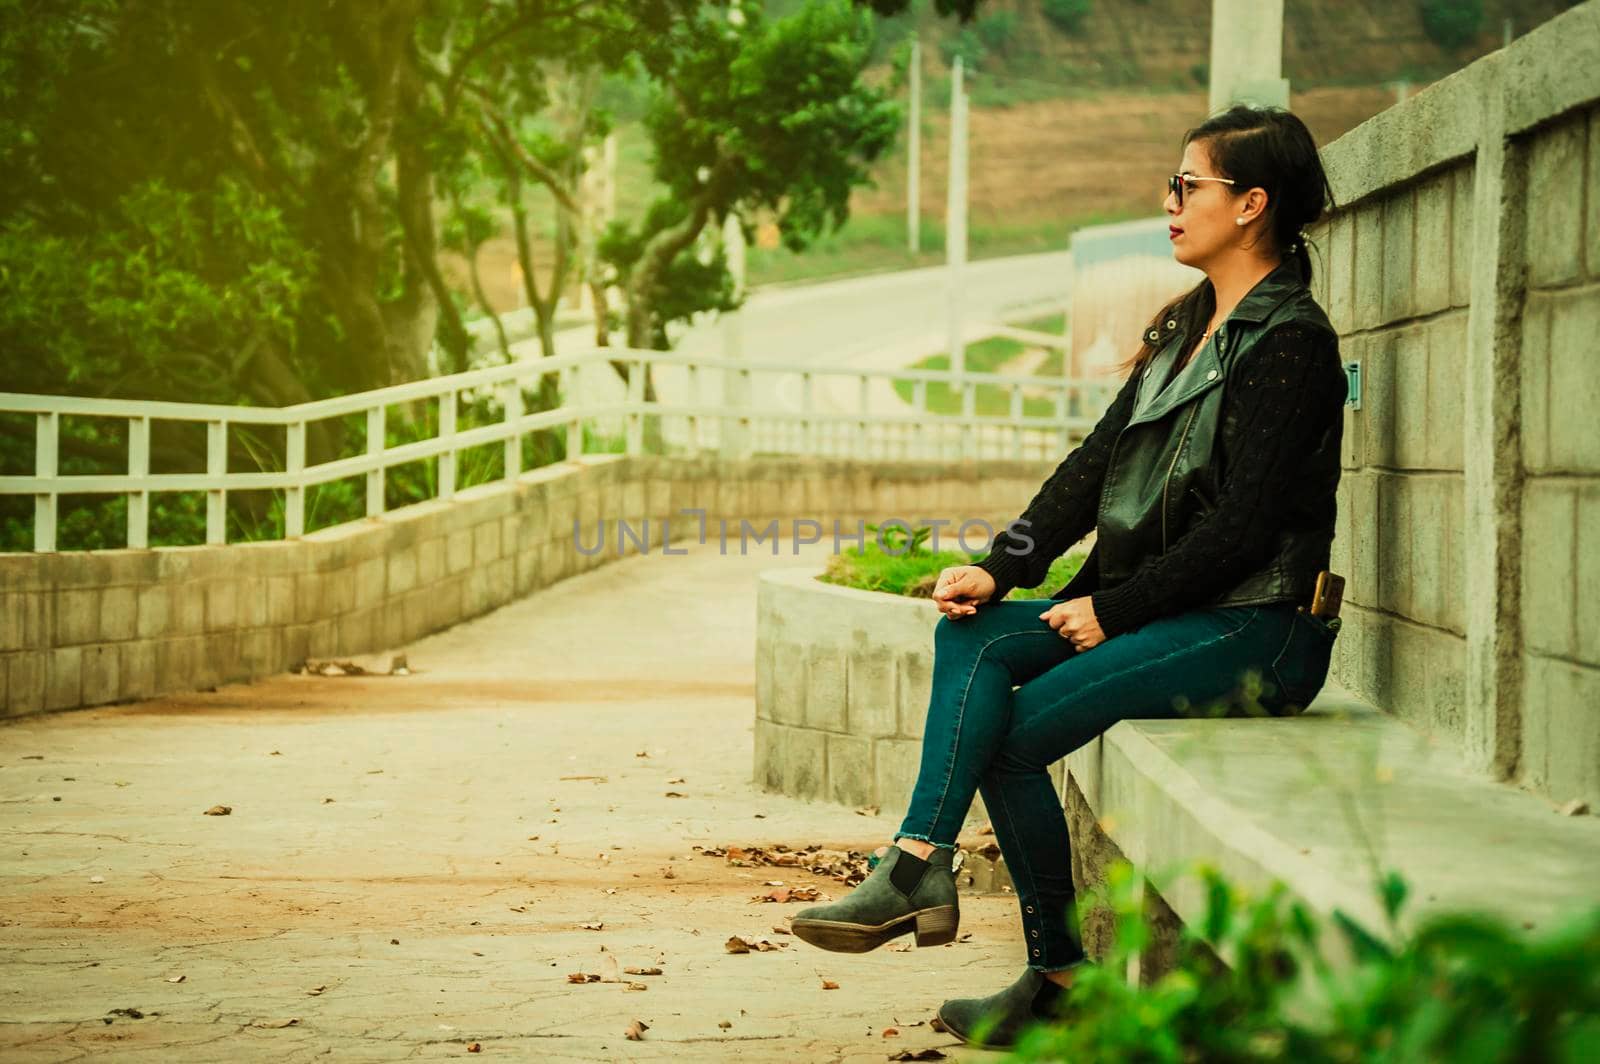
(426, 849)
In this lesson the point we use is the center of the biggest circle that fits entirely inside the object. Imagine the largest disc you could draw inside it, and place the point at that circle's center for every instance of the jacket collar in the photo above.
(1278, 285)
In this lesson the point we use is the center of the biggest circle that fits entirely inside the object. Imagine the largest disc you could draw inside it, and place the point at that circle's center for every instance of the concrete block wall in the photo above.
(843, 680)
(89, 628)
(1460, 269)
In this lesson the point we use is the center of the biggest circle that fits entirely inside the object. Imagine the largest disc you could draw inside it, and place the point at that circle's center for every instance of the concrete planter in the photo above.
(843, 678)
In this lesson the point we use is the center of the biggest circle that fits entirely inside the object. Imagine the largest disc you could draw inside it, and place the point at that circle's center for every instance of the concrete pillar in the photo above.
(1247, 54)
(1492, 444)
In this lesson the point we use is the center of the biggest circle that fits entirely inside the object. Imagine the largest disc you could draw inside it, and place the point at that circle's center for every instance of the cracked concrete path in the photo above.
(410, 861)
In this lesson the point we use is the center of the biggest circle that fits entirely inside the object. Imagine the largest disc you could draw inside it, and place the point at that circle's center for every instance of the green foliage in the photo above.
(1452, 23)
(1462, 987)
(899, 559)
(1067, 15)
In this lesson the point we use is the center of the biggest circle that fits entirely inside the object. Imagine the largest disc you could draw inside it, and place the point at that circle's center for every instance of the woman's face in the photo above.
(1204, 226)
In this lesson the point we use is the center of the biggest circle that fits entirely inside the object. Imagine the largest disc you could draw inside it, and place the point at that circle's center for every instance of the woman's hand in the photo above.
(1075, 620)
(961, 589)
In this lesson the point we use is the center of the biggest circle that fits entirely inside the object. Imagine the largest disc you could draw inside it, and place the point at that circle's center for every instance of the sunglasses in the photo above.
(1178, 183)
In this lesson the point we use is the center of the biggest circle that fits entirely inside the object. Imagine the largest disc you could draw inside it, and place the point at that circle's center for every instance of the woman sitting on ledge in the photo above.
(1210, 482)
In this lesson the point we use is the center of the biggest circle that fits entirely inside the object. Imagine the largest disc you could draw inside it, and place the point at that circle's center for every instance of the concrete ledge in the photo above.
(1316, 799)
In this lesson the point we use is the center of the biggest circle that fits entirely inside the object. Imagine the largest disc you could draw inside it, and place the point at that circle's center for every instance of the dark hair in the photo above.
(1259, 147)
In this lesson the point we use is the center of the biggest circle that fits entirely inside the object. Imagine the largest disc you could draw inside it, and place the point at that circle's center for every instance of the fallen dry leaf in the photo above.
(314, 991)
(636, 986)
(917, 1054)
(677, 779)
(597, 925)
(829, 984)
(674, 794)
(725, 1024)
(668, 873)
(783, 894)
(219, 810)
(582, 977)
(890, 1032)
(635, 1031)
(987, 829)
(738, 945)
(642, 753)
(474, 1047)
(275, 1024)
(781, 930)
(601, 779)
(938, 1025)
(867, 810)
(176, 978)
(1576, 807)
(642, 971)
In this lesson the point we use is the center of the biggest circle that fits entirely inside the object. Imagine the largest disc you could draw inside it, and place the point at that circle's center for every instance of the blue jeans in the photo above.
(983, 736)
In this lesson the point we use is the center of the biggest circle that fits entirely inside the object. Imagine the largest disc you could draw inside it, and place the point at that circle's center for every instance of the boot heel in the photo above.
(935, 927)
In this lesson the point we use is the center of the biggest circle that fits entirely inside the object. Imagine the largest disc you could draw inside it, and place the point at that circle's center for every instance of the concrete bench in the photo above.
(1314, 800)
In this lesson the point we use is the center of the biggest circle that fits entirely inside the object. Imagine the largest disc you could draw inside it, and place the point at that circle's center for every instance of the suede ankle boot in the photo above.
(998, 1021)
(903, 893)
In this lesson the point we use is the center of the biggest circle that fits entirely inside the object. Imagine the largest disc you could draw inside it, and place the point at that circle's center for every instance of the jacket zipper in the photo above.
(1167, 483)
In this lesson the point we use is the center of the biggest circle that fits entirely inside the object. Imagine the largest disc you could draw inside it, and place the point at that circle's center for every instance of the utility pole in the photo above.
(914, 154)
(955, 223)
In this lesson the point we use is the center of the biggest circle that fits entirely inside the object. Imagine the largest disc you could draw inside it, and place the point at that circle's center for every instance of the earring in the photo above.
(1238, 221)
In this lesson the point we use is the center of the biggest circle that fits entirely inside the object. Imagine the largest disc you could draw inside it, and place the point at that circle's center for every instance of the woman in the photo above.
(1210, 483)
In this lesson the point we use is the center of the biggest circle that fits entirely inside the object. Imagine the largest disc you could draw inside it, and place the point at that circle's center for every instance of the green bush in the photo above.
(1462, 988)
(1067, 15)
(1452, 23)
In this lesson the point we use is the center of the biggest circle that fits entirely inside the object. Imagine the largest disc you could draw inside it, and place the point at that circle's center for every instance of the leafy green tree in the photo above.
(1452, 23)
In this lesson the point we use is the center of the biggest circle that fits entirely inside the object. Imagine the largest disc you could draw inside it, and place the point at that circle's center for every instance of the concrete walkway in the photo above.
(409, 861)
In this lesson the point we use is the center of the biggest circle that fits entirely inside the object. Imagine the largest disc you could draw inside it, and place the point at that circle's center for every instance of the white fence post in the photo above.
(294, 496)
(139, 467)
(376, 431)
(635, 421)
(46, 438)
(513, 414)
(217, 466)
(447, 433)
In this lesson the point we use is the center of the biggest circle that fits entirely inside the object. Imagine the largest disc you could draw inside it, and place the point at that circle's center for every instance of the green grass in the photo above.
(987, 356)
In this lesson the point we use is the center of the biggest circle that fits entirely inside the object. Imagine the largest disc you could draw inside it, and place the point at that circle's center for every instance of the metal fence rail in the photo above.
(731, 422)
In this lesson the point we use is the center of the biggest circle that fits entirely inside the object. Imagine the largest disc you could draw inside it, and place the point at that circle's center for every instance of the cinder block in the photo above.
(1368, 279)
(153, 610)
(1461, 236)
(77, 617)
(430, 560)
(27, 677)
(370, 583)
(175, 663)
(1587, 574)
(64, 682)
(1549, 522)
(458, 551)
(914, 690)
(1574, 382)
(767, 766)
(253, 602)
(502, 581)
(1378, 413)
(1432, 290)
(402, 572)
(527, 563)
(1399, 255)
(873, 708)
(827, 690)
(222, 604)
(1446, 686)
(1554, 207)
(1393, 547)
(1561, 730)
(1454, 613)
(1426, 576)
(119, 613)
(391, 628)
(136, 673)
(803, 758)
(358, 631)
(850, 776)
(1446, 409)
(1535, 383)
(218, 660)
(100, 674)
(896, 762)
(788, 683)
(1410, 409)
(280, 600)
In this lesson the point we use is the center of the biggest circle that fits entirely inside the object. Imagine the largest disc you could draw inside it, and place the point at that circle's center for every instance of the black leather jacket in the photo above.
(1169, 460)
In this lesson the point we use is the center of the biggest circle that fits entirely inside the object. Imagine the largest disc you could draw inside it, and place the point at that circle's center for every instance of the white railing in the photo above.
(879, 425)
